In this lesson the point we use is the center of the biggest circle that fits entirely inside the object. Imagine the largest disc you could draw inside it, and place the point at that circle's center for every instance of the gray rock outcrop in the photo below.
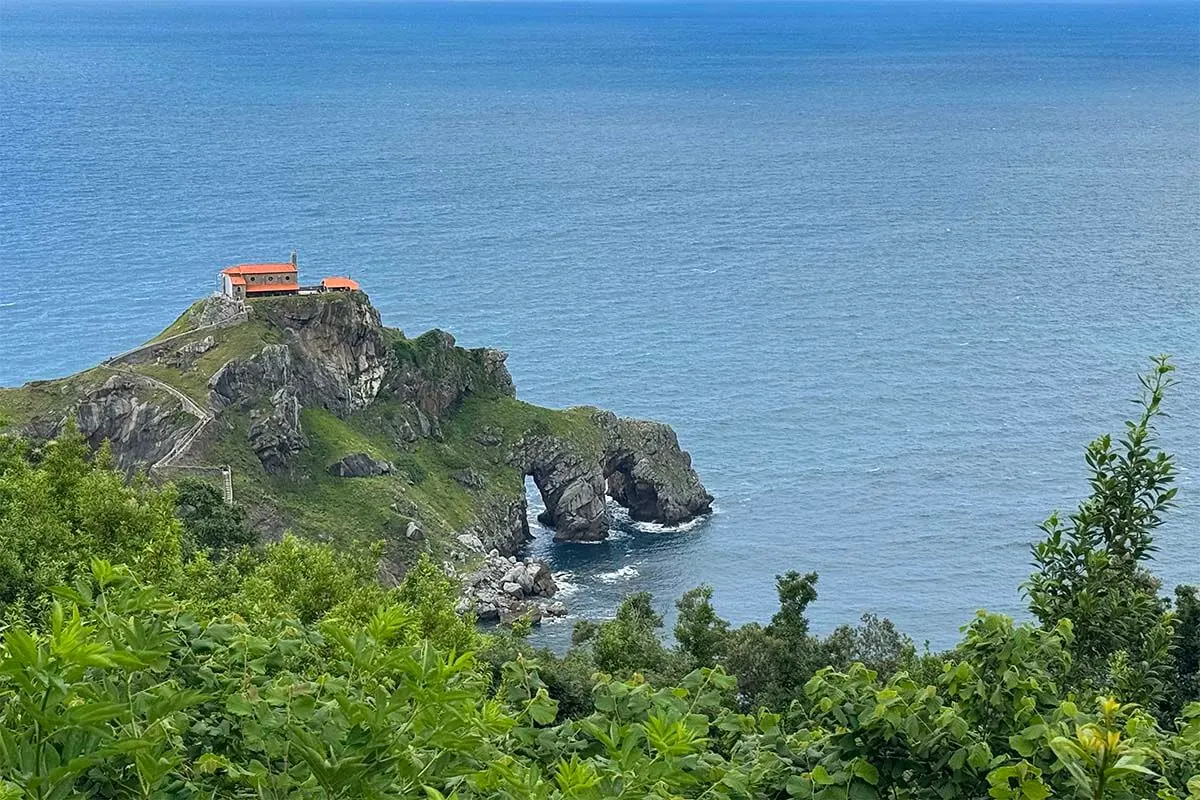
(276, 436)
(359, 465)
(243, 383)
(649, 474)
(185, 355)
(571, 484)
(214, 310)
(489, 436)
(504, 589)
(502, 523)
(433, 375)
(141, 426)
(265, 385)
(339, 352)
(468, 479)
(640, 465)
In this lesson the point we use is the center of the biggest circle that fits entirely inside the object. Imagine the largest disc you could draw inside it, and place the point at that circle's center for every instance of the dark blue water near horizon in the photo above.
(885, 267)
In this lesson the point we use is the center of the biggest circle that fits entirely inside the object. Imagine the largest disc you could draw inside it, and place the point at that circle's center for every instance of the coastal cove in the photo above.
(884, 289)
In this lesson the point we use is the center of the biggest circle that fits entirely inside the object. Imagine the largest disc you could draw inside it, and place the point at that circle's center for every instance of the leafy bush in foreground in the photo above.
(203, 671)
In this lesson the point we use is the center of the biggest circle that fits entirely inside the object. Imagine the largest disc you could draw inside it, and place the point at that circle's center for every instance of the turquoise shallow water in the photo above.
(885, 267)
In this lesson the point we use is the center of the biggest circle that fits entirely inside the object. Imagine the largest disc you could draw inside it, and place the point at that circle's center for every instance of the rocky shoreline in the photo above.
(504, 589)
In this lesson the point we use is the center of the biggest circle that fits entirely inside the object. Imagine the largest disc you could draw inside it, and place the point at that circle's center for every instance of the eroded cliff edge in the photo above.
(340, 428)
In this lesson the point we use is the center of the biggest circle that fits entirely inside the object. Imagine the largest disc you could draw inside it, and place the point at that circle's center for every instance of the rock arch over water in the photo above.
(637, 463)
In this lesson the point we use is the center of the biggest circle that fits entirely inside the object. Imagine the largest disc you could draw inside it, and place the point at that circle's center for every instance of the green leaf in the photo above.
(863, 791)
(797, 786)
(866, 771)
(1034, 789)
(1129, 764)
(542, 709)
(979, 756)
(21, 646)
(238, 705)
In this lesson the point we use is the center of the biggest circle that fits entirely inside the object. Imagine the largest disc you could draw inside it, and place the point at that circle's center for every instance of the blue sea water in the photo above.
(885, 267)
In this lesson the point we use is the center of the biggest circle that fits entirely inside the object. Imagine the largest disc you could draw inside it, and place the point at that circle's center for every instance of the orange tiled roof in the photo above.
(338, 282)
(236, 280)
(259, 269)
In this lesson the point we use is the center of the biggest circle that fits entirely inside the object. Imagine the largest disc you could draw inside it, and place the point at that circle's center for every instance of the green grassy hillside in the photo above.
(445, 478)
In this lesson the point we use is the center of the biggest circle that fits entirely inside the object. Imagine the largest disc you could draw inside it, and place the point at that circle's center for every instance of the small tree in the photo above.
(61, 505)
(773, 662)
(1090, 568)
(208, 523)
(699, 631)
(629, 642)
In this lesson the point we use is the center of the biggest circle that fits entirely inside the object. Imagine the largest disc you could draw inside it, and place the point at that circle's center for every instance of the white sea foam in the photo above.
(567, 586)
(621, 517)
(623, 574)
(586, 542)
(655, 527)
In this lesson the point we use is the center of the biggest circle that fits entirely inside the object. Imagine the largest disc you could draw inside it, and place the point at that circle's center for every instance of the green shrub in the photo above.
(408, 465)
(62, 506)
(208, 523)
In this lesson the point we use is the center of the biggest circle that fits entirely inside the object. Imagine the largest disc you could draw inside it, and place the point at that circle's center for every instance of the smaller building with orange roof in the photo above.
(337, 283)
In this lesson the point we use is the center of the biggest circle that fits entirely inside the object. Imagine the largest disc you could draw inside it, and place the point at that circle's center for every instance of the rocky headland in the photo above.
(337, 427)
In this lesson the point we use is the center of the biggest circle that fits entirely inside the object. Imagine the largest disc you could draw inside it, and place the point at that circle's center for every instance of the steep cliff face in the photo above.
(142, 424)
(266, 387)
(298, 393)
(338, 350)
(430, 376)
(648, 472)
(502, 524)
(570, 479)
(242, 382)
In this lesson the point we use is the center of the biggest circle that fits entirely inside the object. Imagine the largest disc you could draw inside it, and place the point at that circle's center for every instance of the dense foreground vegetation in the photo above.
(150, 650)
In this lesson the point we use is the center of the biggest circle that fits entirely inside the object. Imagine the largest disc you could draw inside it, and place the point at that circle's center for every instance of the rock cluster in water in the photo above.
(504, 589)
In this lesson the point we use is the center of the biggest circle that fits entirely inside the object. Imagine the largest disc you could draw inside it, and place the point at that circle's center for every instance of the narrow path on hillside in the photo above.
(240, 316)
(189, 405)
(203, 416)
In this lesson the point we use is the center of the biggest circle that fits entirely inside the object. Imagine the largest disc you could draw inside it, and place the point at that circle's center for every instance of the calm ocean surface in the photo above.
(886, 268)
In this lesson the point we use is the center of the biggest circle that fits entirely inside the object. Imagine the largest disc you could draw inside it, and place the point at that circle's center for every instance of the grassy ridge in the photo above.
(309, 500)
(39, 399)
